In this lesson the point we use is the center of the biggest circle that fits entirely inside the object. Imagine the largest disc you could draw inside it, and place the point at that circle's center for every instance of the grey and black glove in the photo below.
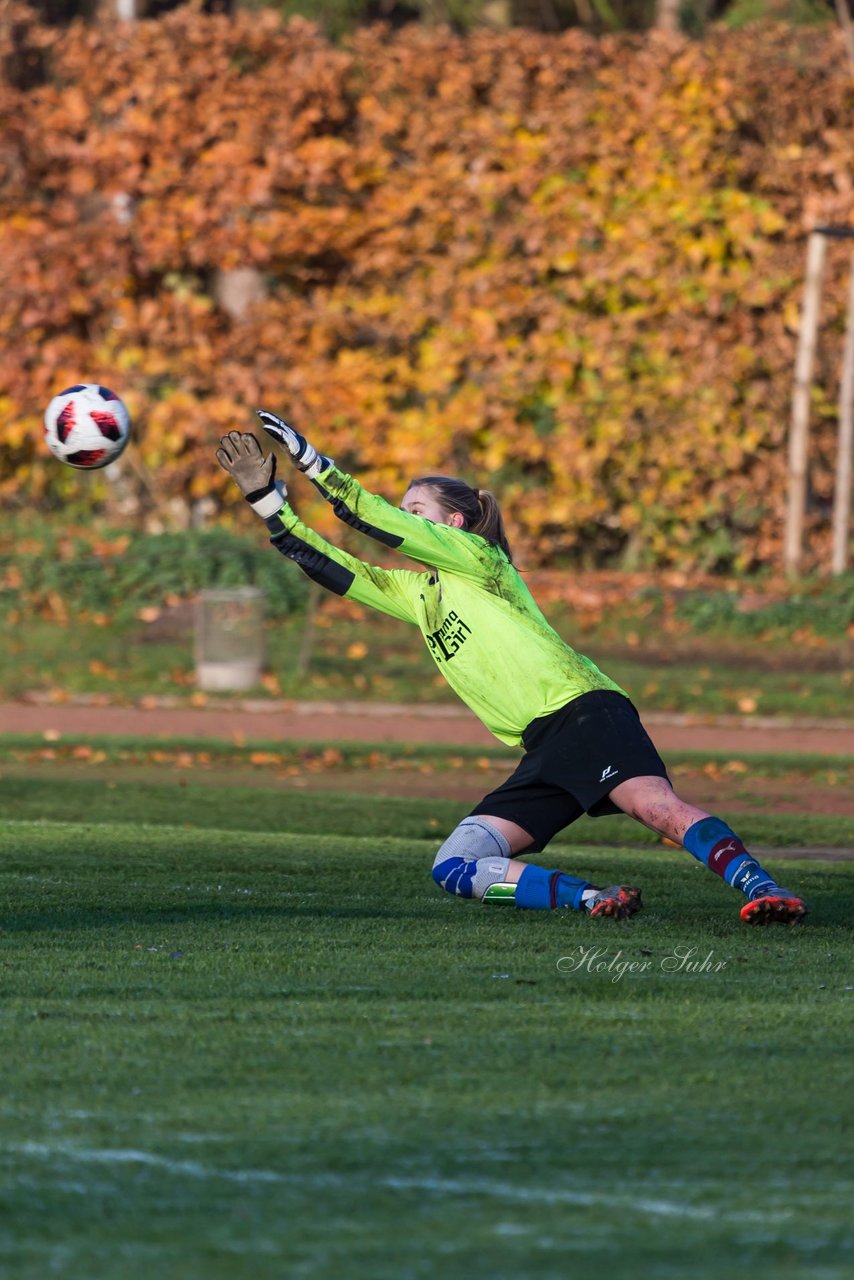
(240, 454)
(304, 455)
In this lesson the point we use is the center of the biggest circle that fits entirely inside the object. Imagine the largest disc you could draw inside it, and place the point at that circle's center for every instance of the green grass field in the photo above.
(231, 1054)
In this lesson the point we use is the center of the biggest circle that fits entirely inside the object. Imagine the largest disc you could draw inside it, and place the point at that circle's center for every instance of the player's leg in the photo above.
(652, 801)
(524, 814)
(476, 861)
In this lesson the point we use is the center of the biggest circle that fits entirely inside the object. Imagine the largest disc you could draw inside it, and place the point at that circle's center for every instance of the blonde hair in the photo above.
(478, 507)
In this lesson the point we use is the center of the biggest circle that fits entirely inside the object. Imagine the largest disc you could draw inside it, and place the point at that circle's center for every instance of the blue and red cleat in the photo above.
(619, 901)
(777, 906)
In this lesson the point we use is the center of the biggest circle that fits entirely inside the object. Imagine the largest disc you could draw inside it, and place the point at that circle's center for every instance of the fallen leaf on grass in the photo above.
(99, 668)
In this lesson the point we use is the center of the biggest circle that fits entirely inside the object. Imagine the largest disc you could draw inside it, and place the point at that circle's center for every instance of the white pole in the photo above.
(847, 31)
(842, 491)
(799, 432)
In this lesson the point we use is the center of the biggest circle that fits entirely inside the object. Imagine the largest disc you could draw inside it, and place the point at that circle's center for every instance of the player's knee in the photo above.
(455, 875)
(472, 858)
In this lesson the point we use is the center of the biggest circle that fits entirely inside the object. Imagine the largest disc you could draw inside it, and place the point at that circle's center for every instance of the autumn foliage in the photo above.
(567, 268)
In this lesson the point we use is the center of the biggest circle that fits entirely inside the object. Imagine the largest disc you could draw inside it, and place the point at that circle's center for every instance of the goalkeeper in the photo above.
(586, 750)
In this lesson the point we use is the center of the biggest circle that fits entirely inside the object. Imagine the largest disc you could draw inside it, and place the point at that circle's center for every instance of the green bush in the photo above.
(120, 574)
(823, 607)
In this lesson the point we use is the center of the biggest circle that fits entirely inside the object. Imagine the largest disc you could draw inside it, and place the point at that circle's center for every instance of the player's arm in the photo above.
(441, 546)
(391, 591)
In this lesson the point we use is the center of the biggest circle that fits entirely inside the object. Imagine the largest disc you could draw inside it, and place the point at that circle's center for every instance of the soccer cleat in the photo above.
(780, 906)
(619, 902)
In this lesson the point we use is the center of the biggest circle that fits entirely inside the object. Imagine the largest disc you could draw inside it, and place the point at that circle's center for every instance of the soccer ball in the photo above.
(86, 426)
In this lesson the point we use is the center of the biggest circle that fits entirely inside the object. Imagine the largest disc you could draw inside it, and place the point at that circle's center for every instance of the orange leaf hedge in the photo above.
(564, 267)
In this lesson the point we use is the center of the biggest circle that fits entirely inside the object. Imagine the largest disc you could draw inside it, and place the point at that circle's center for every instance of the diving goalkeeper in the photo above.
(585, 749)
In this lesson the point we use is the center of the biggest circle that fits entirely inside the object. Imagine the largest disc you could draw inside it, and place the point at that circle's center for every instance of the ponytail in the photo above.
(478, 507)
(491, 522)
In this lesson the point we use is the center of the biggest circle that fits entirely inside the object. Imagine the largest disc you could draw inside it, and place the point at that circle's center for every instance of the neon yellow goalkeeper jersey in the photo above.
(483, 628)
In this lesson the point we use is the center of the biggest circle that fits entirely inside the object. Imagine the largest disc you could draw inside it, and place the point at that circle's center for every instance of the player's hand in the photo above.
(304, 455)
(241, 455)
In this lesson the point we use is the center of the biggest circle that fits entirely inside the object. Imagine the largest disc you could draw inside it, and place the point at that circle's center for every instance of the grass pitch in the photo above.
(230, 1054)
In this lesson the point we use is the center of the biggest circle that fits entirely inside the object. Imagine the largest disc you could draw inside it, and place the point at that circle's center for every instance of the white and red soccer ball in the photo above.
(86, 426)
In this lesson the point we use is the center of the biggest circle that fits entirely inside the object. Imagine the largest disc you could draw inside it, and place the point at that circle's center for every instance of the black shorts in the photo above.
(573, 759)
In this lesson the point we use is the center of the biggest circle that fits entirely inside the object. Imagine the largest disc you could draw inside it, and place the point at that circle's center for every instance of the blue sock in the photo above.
(543, 889)
(717, 846)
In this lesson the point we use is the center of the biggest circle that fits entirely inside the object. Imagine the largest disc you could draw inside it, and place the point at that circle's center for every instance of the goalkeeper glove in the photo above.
(241, 456)
(305, 456)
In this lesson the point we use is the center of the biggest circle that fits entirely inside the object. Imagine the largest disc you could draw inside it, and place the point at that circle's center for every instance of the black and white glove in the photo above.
(304, 455)
(240, 454)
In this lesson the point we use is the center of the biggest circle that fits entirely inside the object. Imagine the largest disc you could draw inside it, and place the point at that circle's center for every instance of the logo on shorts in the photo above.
(608, 772)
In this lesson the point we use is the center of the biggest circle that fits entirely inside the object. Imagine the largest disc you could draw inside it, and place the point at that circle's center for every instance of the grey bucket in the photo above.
(229, 638)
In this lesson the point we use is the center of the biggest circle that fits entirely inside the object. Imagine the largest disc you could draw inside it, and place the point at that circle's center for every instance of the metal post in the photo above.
(842, 489)
(799, 432)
